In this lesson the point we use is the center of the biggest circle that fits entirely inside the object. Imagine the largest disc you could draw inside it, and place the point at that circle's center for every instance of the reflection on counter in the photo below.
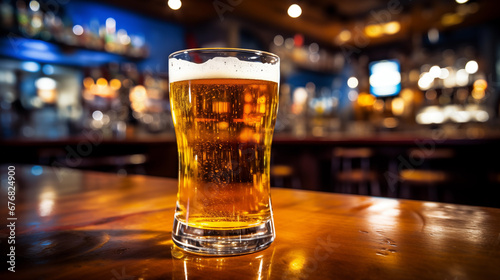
(190, 266)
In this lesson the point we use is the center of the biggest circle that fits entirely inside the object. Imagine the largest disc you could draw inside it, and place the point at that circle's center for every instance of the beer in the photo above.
(224, 130)
(224, 105)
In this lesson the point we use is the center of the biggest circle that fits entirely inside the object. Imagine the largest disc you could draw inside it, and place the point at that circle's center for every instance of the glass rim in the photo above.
(214, 50)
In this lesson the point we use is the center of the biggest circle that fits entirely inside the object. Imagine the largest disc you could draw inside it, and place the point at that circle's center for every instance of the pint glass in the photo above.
(224, 104)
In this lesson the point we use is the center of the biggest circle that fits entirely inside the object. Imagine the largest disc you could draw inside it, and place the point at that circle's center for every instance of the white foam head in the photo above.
(222, 67)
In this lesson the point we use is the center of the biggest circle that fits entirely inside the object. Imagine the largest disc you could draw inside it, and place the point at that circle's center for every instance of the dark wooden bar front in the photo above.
(89, 225)
(308, 161)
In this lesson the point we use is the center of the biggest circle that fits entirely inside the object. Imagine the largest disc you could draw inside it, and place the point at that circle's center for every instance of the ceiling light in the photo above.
(461, 1)
(294, 11)
(174, 4)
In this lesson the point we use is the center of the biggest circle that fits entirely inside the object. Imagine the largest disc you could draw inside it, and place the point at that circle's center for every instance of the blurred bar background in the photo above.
(394, 98)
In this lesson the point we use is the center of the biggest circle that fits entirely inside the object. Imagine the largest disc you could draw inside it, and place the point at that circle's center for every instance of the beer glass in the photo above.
(224, 104)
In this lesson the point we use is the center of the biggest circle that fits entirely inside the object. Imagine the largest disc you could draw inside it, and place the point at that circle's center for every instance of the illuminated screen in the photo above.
(385, 78)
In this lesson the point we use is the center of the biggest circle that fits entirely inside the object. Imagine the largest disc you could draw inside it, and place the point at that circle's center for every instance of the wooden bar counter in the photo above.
(88, 225)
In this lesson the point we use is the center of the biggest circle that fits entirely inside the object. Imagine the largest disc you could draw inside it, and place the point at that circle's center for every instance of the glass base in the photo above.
(223, 242)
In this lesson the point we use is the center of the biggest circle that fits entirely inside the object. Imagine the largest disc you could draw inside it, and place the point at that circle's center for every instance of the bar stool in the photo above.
(283, 176)
(351, 168)
(429, 172)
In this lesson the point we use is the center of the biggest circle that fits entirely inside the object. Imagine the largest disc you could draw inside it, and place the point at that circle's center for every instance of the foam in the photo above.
(222, 67)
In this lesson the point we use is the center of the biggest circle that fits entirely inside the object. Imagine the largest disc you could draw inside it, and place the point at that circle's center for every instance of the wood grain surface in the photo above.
(87, 225)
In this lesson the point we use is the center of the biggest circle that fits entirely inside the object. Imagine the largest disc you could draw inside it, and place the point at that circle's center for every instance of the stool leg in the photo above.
(405, 191)
(390, 177)
(279, 182)
(375, 188)
(347, 168)
(365, 170)
(433, 193)
(363, 188)
(295, 183)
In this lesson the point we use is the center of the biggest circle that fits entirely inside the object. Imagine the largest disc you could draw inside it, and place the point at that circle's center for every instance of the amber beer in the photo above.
(224, 123)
